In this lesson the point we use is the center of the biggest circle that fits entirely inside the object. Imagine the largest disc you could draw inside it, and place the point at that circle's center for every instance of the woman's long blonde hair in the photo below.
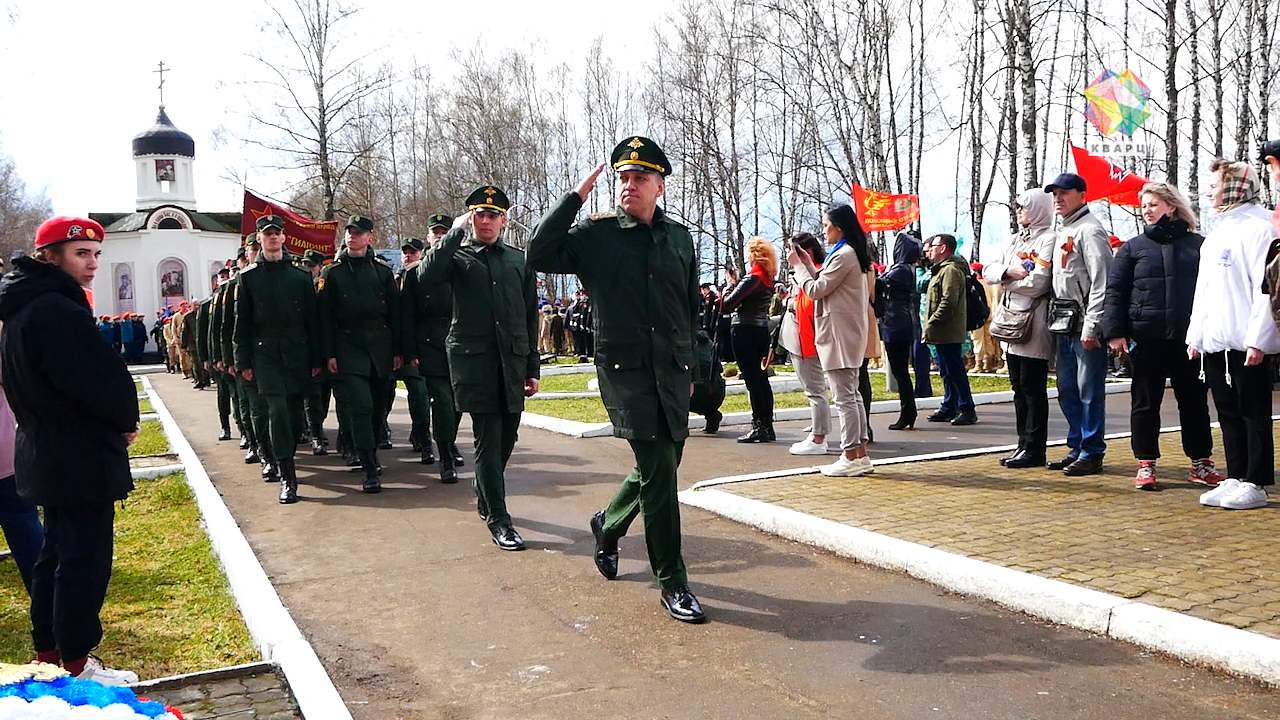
(1173, 196)
(761, 252)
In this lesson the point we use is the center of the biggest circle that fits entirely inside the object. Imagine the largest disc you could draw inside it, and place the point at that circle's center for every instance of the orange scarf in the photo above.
(804, 316)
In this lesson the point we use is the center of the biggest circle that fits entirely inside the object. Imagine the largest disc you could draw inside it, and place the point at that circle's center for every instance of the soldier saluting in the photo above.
(492, 343)
(360, 337)
(640, 268)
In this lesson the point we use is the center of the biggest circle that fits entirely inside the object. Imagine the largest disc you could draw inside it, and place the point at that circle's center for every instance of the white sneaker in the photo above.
(843, 467)
(1246, 496)
(808, 447)
(866, 463)
(1213, 498)
(94, 670)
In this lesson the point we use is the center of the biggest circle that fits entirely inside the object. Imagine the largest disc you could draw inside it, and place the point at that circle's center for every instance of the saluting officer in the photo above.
(276, 344)
(640, 268)
(492, 343)
(426, 312)
(316, 402)
(360, 336)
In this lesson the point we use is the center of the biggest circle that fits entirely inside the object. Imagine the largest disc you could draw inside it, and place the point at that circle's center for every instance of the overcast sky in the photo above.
(78, 80)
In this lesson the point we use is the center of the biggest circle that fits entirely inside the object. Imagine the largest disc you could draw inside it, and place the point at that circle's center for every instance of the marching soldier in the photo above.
(253, 407)
(275, 342)
(640, 268)
(493, 356)
(409, 374)
(426, 312)
(316, 402)
(360, 337)
(211, 352)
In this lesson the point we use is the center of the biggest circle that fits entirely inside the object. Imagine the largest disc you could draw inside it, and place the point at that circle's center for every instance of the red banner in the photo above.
(1106, 181)
(301, 233)
(881, 211)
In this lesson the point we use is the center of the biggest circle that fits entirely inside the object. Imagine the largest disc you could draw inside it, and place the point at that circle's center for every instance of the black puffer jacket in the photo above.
(749, 302)
(1152, 282)
(901, 321)
(71, 393)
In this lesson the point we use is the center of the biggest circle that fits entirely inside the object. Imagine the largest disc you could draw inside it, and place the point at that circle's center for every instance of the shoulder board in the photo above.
(382, 262)
(604, 215)
(412, 265)
(249, 269)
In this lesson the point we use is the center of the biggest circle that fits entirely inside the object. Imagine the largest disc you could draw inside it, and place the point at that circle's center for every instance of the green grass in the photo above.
(144, 406)
(150, 441)
(591, 410)
(168, 609)
(137, 385)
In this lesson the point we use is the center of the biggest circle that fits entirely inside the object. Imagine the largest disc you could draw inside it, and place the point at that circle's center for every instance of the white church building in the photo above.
(164, 252)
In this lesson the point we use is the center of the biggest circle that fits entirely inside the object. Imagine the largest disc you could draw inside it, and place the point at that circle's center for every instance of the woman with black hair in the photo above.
(841, 297)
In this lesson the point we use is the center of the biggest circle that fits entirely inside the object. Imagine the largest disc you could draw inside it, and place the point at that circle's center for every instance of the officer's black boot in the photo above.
(226, 430)
(318, 441)
(448, 474)
(424, 446)
(377, 462)
(252, 455)
(270, 468)
(288, 482)
(244, 441)
(370, 469)
(457, 454)
(384, 442)
(414, 444)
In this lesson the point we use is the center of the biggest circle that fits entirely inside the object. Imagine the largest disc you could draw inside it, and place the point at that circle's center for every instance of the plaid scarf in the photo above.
(1239, 185)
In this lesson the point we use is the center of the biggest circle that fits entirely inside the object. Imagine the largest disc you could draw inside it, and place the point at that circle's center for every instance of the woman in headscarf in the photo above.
(900, 326)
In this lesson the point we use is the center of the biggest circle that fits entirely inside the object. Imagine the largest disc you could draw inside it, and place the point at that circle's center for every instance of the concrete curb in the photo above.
(269, 622)
(151, 473)
(1188, 638)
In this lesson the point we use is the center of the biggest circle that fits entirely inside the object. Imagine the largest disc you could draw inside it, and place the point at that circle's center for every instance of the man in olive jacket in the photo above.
(492, 342)
(944, 329)
(641, 271)
(276, 341)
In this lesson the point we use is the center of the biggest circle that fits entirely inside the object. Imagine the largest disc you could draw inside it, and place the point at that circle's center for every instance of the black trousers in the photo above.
(69, 581)
(899, 355)
(1152, 361)
(750, 346)
(1244, 411)
(1030, 380)
(864, 389)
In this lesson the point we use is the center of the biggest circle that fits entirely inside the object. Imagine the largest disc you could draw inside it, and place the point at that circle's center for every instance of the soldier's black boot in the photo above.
(270, 468)
(251, 456)
(457, 454)
(288, 482)
(424, 445)
(448, 474)
(414, 444)
(384, 442)
(226, 430)
(370, 469)
(318, 441)
(244, 441)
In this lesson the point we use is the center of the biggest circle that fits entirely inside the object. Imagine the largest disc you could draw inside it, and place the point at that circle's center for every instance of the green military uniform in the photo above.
(643, 281)
(360, 329)
(415, 387)
(426, 311)
(276, 337)
(201, 355)
(253, 407)
(209, 336)
(316, 402)
(708, 391)
(491, 347)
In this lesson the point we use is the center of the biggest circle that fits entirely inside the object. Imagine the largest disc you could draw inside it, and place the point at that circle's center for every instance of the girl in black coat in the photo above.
(900, 326)
(1146, 313)
(749, 303)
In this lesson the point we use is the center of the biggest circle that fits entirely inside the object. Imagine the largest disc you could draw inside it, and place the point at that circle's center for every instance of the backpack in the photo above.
(881, 301)
(976, 310)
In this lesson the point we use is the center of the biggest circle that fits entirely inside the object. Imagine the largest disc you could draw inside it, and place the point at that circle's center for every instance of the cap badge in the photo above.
(74, 231)
(635, 155)
(490, 191)
(635, 143)
(89, 232)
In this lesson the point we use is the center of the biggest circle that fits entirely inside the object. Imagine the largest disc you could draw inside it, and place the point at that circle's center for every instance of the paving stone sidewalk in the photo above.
(1160, 548)
(264, 695)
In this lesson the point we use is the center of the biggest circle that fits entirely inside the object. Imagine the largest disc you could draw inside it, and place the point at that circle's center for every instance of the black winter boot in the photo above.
(288, 482)
(370, 469)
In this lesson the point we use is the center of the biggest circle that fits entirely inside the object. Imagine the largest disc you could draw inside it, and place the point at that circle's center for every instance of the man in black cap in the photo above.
(419, 411)
(643, 276)
(253, 405)
(360, 335)
(1081, 262)
(316, 401)
(437, 226)
(222, 330)
(492, 343)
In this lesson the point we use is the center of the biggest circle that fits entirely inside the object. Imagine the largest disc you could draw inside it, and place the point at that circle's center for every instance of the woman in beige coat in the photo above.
(841, 327)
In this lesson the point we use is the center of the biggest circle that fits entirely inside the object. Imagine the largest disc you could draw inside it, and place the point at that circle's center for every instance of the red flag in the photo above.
(300, 233)
(1106, 181)
(881, 211)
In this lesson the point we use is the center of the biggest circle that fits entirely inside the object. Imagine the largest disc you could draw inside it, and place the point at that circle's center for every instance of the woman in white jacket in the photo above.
(1232, 330)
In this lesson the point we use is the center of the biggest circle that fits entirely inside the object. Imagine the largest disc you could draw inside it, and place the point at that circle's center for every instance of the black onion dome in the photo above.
(163, 138)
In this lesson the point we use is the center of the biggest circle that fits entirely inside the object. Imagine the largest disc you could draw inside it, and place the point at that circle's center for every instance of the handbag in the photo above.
(1008, 324)
(1065, 317)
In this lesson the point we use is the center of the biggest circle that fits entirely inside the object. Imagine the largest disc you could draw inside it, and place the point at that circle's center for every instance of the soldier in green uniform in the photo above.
(426, 312)
(640, 268)
(211, 354)
(492, 343)
(276, 342)
(253, 404)
(360, 337)
(409, 373)
(222, 330)
(316, 402)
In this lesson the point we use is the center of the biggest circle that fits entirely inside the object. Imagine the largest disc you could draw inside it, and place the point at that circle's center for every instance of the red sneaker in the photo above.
(1146, 479)
(1204, 473)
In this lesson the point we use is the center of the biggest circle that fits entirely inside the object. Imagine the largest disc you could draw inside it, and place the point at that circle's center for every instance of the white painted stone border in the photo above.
(151, 473)
(269, 622)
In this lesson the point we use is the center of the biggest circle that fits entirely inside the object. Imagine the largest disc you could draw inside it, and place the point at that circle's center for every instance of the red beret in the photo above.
(62, 229)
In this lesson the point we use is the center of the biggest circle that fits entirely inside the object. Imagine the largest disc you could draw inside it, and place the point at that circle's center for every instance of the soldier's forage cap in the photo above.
(439, 220)
(413, 244)
(489, 198)
(62, 229)
(360, 222)
(252, 240)
(224, 271)
(270, 221)
(240, 254)
(640, 153)
(314, 258)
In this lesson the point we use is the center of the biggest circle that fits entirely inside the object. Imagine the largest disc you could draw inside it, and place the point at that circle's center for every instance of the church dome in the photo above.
(163, 138)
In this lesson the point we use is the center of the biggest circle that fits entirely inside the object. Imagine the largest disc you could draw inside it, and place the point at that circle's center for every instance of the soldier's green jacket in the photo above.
(643, 282)
(203, 316)
(276, 332)
(495, 320)
(426, 311)
(213, 335)
(360, 315)
(224, 330)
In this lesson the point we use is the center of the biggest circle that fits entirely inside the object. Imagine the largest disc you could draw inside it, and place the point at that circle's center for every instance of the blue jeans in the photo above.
(956, 395)
(1082, 380)
(21, 525)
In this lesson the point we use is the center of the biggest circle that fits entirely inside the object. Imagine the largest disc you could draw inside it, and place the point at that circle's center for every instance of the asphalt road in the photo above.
(416, 614)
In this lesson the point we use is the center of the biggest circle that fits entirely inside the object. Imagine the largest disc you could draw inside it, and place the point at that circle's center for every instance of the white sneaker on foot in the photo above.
(1213, 498)
(1246, 496)
(865, 460)
(94, 670)
(808, 447)
(844, 467)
